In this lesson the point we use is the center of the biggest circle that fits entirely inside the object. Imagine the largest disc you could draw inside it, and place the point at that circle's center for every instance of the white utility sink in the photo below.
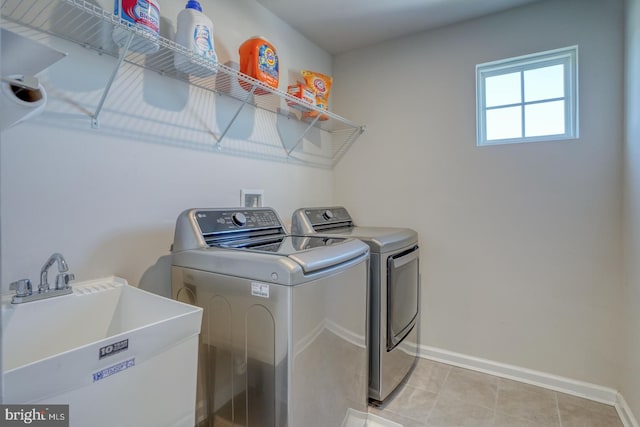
(116, 354)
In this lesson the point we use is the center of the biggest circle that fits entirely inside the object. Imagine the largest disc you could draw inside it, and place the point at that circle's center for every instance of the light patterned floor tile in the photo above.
(439, 395)
(577, 412)
(428, 375)
(504, 420)
(411, 402)
(472, 387)
(452, 412)
(527, 402)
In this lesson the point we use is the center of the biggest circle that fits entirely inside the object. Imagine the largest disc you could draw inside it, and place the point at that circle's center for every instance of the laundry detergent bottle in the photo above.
(195, 33)
(258, 59)
(143, 14)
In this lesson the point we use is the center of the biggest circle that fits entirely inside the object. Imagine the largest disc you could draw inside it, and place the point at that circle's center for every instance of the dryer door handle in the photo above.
(405, 259)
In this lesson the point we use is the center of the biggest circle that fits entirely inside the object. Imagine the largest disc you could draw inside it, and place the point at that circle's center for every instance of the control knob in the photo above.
(327, 215)
(239, 219)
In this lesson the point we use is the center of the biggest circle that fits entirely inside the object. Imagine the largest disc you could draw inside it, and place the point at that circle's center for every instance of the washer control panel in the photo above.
(222, 221)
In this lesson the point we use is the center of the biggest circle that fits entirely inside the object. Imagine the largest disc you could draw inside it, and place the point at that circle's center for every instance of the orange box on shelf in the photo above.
(320, 103)
(318, 82)
(303, 93)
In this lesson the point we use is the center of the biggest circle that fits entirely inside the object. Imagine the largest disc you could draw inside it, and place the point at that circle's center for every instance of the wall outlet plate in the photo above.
(252, 198)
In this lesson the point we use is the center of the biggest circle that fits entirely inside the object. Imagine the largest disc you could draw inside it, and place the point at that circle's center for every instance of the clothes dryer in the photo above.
(394, 291)
(283, 341)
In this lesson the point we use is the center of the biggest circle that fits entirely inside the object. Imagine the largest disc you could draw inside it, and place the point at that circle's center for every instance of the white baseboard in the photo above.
(586, 390)
(625, 413)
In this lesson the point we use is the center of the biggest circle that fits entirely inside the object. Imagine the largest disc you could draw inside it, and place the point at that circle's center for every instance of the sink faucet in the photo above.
(24, 292)
(63, 278)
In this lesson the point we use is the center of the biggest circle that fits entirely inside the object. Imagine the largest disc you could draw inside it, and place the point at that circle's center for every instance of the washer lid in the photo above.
(285, 267)
(379, 239)
(312, 253)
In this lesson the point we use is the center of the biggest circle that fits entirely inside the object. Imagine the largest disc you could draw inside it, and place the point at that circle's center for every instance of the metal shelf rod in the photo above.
(235, 116)
(94, 119)
(303, 134)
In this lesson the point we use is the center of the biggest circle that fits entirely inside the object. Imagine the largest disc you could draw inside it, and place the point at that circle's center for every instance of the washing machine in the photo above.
(394, 291)
(284, 333)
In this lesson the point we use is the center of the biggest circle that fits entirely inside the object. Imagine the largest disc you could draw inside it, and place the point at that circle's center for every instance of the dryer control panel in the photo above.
(320, 219)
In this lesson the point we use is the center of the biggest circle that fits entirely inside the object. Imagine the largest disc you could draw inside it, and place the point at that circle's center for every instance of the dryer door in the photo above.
(402, 295)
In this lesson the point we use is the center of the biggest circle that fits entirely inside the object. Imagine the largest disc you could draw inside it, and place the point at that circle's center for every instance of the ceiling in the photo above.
(338, 26)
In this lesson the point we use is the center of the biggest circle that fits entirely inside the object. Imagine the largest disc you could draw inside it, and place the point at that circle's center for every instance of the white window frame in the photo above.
(567, 56)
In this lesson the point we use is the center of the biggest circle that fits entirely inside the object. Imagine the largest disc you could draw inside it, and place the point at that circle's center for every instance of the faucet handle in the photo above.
(22, 287)
(63, 279)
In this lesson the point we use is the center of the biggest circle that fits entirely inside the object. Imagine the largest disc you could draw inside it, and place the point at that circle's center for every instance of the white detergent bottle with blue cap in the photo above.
(195, 33)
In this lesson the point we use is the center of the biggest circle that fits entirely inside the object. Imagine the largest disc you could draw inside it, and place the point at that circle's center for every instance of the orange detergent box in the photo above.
(258, 59)
(318, 82)
(321, 85)
(304, 94)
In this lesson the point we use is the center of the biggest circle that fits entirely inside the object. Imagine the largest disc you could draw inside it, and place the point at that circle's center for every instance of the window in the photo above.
(528, 98)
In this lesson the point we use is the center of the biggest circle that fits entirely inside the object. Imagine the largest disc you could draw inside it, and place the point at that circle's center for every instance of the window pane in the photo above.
(504, 123)
(546, 118)
(544, 83)
(502, 90)
(528, 98)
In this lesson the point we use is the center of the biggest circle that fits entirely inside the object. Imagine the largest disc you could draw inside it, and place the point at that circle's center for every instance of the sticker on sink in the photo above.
(115, 369)
(114, 348)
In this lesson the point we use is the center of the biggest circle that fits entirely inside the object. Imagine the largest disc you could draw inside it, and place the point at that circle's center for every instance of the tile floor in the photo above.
(439, 395)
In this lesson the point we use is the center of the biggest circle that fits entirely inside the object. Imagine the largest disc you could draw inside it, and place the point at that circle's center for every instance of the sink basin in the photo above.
(116, 354)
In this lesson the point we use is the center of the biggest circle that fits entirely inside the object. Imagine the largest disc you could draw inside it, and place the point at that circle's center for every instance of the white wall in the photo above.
(108, 199)
(631, 368)
(520, 244)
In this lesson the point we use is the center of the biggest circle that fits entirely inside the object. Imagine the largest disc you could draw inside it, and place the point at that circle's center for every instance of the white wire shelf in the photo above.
(90, 26)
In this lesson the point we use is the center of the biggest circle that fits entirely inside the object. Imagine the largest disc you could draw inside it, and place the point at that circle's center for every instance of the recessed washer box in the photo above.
(116, 354)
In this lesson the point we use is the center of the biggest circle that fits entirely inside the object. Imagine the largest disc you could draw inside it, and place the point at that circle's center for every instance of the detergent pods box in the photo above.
(259, 60)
